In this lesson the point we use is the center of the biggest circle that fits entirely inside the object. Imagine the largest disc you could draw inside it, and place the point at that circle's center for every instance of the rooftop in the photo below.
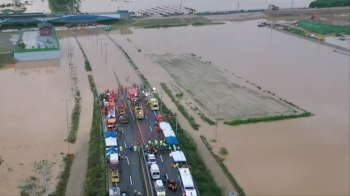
(44, 24)
(32, 40)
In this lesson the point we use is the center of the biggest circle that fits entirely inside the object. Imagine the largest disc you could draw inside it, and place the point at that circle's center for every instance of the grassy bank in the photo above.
(75, 120)
(63, 177)
(219, 160)
(180, 107)
(86, 63)
(324, 29)
(202, 175)
(95, 183)
(267, 119)
(329, 3)
(64, 6)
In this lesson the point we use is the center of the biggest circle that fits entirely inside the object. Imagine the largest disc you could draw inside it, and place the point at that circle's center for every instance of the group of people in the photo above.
(153, 147)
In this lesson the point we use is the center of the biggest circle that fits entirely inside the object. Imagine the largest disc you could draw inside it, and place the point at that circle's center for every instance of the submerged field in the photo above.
(211, 87)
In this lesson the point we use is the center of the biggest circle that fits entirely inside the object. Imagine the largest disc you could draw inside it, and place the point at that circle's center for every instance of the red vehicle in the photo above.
(132, 93)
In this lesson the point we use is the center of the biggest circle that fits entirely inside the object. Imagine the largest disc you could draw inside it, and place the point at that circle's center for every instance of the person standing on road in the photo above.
(155, 142)
(135, 148)
(120, 149)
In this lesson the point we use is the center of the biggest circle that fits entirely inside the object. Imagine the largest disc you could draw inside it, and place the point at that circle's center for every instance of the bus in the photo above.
(187, 184)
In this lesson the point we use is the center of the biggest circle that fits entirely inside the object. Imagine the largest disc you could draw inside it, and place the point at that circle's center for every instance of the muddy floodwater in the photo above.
(305, 156)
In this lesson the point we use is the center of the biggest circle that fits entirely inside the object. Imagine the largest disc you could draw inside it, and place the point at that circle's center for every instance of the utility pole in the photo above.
(106, 53)
(66, 100)
(101, 47)
(161, 99)
(46, 185)
(181, 6)
(292, 3)
(176, 123)
(97, 43)
(216, 125)
(237, 5)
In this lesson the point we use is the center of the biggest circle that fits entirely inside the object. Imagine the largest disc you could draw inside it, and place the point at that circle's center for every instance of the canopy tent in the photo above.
(169, 133)
(165, 126)
(172, 140)
(178, 156)
(111, 142)
(111, 150)
(110, 134)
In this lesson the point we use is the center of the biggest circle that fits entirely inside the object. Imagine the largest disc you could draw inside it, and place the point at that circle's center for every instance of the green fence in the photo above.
(19, 49)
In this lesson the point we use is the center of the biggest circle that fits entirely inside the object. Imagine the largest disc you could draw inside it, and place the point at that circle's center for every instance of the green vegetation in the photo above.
(63, 177)
(292, 30)
(329, 3)
(198, 24)
(179, 95)
(21, 49)
(180, 107)
(75, 120)
(95, 183)
(219, 160)
(165, 26)
(202, 176)
(223, 151)
(208, 120)
(87, 65)
(64, 6)
(267, 119)
(319, 28)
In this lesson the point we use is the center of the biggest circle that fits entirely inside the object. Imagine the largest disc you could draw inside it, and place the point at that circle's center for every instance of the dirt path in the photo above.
(81, 147)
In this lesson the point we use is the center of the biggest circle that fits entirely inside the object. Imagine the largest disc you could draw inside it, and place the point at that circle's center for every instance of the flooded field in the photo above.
(210, 87)
(199, 5)
(33, 120)
(306, 156)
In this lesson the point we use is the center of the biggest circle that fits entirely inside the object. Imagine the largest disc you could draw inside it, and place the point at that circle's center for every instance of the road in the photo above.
(133, 176)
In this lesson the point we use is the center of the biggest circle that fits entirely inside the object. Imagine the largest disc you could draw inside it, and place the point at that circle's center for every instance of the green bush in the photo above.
(219, 160)
(75, 118)
(63, 177)
(319, 28)
(95, 183)
(165, 26)
(329, 3)
(201, 174)
(87, 65)
(180, 107)
(223, 151)
(267, 119)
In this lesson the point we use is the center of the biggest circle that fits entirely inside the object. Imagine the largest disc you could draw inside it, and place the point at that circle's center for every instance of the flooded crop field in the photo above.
(210, 87)
(304, 156)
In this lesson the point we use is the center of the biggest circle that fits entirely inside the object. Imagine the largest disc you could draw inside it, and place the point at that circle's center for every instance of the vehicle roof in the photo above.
(154, 167)
(159, 183)
(186, 177)
(151, 156)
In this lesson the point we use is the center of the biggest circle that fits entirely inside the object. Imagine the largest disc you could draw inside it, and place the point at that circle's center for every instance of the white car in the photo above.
(151, 159)
(159, 187)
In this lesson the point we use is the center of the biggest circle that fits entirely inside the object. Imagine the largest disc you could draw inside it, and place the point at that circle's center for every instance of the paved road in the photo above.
(133, 175)
(147, 129)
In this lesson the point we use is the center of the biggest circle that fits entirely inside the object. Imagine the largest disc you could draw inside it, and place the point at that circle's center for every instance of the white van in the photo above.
(155, 172)
(159, 188)
(151, 159)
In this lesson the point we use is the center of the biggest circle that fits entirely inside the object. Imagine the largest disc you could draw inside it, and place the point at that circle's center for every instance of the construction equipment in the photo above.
(135, 101)
(273, 7)
(124, 119)
(153, 103)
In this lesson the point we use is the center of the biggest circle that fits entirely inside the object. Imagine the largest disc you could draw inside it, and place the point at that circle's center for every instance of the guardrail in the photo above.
(147, 169)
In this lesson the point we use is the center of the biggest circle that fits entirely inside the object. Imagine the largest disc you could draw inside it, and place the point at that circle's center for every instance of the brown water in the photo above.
(32, 120)
(308, 156)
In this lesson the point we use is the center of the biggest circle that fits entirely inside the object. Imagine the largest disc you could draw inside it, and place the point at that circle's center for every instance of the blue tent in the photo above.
(110, 134)
(111, 150)
(171, 140)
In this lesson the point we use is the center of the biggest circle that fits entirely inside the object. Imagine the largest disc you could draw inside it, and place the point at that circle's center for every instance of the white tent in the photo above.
(178, 156)
(165, 126)
(114, 158)
(169, 133)
(111, 142)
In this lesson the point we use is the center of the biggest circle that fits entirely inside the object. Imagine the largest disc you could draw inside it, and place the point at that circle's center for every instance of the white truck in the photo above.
(155, 172)
(151, 159)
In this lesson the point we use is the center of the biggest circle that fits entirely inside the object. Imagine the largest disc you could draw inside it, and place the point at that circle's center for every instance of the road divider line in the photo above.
(124, 144)
(127, 159)
(166, 176)
(161, 158)
(146, 116)
(130, 180)
(150, 128)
